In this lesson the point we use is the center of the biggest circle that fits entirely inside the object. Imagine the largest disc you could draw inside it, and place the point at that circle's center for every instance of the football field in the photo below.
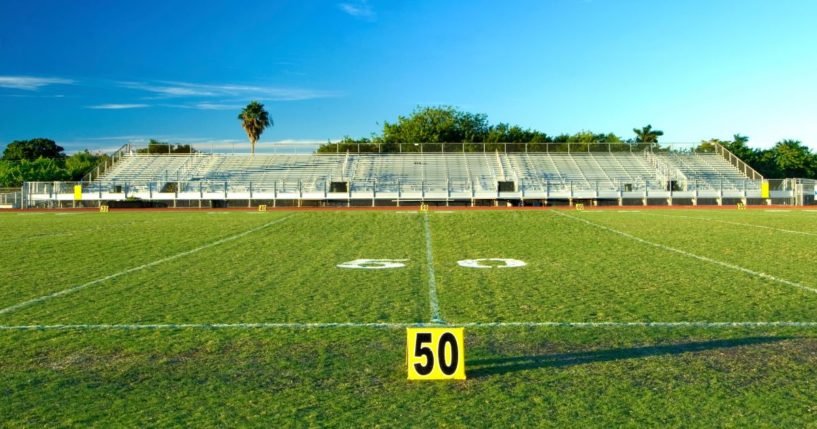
(592, 318)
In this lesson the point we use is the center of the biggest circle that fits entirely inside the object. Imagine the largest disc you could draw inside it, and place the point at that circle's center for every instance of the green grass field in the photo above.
(619, 318)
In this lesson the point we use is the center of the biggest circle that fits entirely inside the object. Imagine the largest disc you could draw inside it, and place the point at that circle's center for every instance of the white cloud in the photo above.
(168, 90)
(184, 89)
(30, 83)
(109, 144)
(217, 106)
(207, 106)
(358, 9)
(114, 106)
(122, 138)
(29, 95)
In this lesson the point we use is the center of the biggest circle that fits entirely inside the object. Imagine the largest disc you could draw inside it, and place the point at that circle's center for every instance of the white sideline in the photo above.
(388, 325)
(692, 255)
(789, 231)
(139, 268)
(432, 281)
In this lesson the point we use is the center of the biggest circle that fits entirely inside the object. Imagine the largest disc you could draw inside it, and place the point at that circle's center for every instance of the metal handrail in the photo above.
(738, 163)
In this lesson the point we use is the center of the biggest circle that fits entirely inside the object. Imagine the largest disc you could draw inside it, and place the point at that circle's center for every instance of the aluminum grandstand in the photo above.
(605, 177)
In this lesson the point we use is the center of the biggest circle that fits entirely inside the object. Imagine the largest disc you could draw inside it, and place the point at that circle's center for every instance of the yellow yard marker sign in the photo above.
(423, 207)
(103, 209)
(435, 353)
(262, 208)
(579, 206)
(741, 206)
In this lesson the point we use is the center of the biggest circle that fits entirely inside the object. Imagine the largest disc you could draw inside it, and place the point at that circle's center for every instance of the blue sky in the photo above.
(98, 74)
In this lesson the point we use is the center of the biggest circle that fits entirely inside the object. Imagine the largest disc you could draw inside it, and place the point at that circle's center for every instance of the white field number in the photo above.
(382, 264)
(482, 263)
(374, 264)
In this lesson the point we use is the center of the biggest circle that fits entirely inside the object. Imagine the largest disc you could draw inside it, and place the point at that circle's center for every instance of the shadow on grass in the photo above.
(486, 367)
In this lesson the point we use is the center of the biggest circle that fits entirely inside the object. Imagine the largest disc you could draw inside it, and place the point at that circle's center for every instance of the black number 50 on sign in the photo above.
(435, 353)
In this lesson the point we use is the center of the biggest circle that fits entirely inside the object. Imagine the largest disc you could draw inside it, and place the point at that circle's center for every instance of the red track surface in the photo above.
(411, 208)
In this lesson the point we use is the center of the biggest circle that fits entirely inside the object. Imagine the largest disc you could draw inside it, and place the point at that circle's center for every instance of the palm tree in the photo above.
(647, 134)
(254, 120)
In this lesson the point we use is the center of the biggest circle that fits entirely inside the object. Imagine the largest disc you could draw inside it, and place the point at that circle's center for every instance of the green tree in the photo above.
(7, 174)
(787, 158)
(793, 159)
(709, 145)
(14, 173)
(32, 149)
(442, 124)
(647, 134)
(739, 146)
(349, 144)
(254, 120)
(79, 164)
(156, 147)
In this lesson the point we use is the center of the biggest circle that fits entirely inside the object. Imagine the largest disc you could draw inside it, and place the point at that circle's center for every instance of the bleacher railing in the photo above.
(107, 163)
(284, 148)
(737, 162)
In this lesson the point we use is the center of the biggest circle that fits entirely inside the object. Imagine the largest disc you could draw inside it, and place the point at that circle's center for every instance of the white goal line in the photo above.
(387, 325)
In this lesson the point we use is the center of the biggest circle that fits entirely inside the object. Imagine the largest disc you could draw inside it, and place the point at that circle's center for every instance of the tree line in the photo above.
(437, 125)
(787, 158)
(42, 159)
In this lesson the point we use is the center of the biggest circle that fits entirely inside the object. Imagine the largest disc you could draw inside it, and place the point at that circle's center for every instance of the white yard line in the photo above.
(432, 281)
(788, 231)
(692, 255)
(387, 325)
(67, 291)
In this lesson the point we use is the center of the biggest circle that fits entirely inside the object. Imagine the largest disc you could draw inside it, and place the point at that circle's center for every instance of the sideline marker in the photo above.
(262, 207)
(103, 209)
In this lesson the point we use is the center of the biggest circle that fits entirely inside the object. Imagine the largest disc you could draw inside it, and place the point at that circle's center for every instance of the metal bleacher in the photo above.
(466, 174)
(707, 169)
